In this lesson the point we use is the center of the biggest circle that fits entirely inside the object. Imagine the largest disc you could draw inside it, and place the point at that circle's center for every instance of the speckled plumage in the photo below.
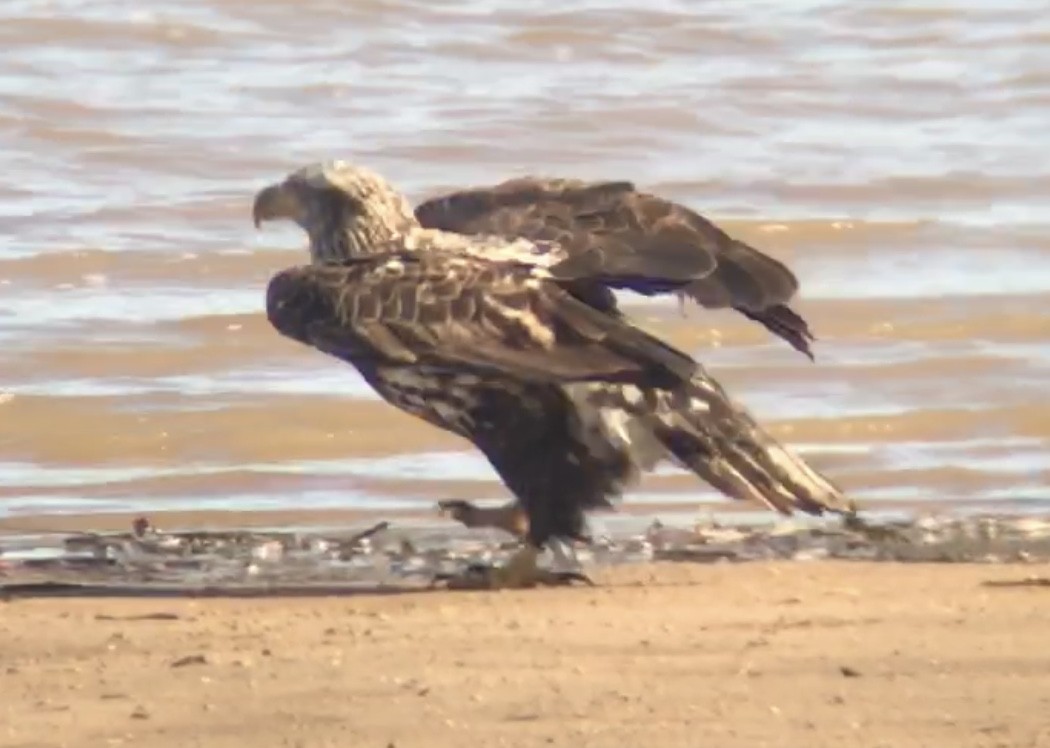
(662, 239)
(488, 338)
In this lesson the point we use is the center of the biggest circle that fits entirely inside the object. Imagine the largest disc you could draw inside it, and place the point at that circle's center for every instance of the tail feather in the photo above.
(720, 442)
(784, 322)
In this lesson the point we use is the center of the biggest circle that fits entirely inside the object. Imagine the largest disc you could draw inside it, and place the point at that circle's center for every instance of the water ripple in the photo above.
(893, 155)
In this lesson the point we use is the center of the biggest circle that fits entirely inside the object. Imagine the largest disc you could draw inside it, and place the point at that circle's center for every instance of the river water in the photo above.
(893, 153)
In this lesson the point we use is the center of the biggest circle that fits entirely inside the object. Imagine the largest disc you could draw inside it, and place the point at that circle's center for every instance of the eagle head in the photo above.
(345, 209)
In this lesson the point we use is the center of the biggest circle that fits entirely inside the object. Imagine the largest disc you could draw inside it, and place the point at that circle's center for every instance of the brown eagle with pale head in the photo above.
(511, 344)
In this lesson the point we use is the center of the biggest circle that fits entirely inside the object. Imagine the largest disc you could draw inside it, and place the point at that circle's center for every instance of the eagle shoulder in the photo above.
(462, 312)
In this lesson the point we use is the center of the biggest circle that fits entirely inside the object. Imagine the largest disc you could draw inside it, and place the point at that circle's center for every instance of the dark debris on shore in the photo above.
(387, 557)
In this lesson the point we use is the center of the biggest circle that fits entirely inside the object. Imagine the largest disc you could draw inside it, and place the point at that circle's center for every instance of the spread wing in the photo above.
(456, 311)
(656, 245)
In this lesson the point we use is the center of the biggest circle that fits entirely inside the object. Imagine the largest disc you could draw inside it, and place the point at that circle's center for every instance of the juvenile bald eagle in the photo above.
(604, 218)
(487, 338)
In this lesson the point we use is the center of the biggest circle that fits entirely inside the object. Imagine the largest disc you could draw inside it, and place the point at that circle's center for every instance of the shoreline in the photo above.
(293, 518)
(368, 557)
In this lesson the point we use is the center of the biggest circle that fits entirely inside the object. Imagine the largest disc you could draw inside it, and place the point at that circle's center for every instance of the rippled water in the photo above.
(895, 155)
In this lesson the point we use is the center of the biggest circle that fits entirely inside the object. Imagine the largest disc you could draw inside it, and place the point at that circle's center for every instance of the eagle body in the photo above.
(569, 405)
(558, 455)
(671, 248)
(496, 354)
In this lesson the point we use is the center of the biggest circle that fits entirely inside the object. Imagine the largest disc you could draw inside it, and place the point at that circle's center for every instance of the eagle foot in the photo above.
(520, 572)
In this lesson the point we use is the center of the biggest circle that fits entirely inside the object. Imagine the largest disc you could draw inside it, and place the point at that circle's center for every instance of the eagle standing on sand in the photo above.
(493, 339)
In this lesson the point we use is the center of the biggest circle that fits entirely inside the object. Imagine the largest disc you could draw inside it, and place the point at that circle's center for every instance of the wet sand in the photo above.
(777, 654)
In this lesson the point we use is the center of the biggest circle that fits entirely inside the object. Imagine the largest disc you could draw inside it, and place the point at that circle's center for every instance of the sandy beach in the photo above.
(892, 155)
(777, 654)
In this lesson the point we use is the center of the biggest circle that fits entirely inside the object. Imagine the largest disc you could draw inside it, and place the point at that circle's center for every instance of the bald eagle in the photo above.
(491, 339)
(600, 218)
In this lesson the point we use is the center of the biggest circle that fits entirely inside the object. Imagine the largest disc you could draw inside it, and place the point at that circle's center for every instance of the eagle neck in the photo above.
(333, 242)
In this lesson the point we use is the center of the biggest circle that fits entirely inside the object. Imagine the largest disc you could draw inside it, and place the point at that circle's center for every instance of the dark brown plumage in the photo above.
(569, 404)
(486, 337)
(661, 239)
(485, 351)
(439, 309)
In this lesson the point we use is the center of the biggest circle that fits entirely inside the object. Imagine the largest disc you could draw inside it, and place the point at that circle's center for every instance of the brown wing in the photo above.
(640, 236)
(592, 221)
(446, 310)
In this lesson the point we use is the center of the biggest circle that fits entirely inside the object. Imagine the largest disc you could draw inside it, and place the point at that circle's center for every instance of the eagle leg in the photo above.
(519, 572)
(511, 517)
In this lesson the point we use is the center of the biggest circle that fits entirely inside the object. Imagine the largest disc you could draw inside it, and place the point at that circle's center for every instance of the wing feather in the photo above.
(622, 238)
(458, 311)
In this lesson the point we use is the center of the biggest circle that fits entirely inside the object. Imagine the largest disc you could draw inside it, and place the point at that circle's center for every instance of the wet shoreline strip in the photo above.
(387, 557)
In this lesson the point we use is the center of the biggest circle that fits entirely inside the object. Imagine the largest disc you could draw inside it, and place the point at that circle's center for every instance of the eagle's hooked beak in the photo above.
(273, 202)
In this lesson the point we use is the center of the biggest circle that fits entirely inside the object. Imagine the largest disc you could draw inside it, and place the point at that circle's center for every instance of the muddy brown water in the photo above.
(894, 156)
